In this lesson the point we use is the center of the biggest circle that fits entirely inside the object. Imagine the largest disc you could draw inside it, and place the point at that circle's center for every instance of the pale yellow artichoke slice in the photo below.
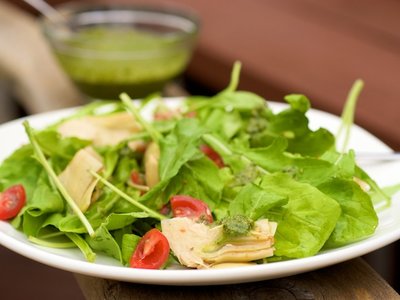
(197, 245)
(151, 158)
(77, 180)
(101, 130)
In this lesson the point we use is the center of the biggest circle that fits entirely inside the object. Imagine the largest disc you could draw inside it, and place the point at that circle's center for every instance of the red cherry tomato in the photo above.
(214, 156)
(186, 206)
(11, 201)
(151, 252)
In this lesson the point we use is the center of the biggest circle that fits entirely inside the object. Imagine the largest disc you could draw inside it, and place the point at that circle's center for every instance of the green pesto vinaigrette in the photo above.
(106, 61)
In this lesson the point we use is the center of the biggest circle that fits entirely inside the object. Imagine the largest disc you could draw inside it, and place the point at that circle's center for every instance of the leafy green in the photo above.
(199, 178)
(82, 245)
(179, 147)
(103, 241)
(129, 243)
(255, 202)
(358, 218)
(22, 168)
(306, 221)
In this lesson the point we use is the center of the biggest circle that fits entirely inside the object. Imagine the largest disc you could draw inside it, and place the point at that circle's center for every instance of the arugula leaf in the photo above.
(22, 168)
(298, 102)
(44, 199)
(104, 242)
(254, 202)
(198, 178)
(40, 205)
(181, 145)
(82, 245)
(271, 158)
(240, 100)
(120, 220)
(227, 124)
(358, 218)
(52, 144)
(306, 221)
(128, 246)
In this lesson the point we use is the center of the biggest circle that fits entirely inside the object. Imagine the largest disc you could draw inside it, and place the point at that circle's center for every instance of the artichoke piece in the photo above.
(105, 130)
(197, 245)
(76, 179)
(151, 158)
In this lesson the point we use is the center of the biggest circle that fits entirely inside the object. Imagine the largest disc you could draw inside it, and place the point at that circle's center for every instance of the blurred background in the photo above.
(318, 48)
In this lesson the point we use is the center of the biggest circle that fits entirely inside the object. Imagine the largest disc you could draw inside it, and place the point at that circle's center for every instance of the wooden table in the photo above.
(349, 280)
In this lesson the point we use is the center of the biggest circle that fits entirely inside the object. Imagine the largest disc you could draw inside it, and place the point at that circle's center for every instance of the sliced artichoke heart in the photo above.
(151, 158)
(105, 130)
(77, 180)
(198, 245)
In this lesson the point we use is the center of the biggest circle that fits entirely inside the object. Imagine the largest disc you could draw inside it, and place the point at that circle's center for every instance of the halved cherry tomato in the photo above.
(151, 252)
(11, 201)
(214, 156)
(186, 206)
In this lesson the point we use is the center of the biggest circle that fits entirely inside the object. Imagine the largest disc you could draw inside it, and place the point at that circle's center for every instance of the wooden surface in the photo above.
(349, 280)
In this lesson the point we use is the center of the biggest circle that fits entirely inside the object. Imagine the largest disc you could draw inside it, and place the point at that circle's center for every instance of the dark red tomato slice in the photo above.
(151, 252)
(186, 206)
(11, 201)
(214, 156)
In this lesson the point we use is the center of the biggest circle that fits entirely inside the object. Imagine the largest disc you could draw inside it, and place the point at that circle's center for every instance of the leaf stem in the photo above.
(51, 244)
(53, 177)
(348, 113)
(128, 198)
(154, 134)
(233, 84)
(222, 149)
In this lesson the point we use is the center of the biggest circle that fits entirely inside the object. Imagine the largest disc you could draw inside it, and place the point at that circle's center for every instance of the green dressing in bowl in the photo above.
(107, 60)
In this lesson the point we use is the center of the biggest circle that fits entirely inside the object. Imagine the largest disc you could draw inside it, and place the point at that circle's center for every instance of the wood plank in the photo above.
(379, 22)
(349, 280)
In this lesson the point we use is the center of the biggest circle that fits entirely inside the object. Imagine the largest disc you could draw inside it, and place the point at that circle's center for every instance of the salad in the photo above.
(217, 182)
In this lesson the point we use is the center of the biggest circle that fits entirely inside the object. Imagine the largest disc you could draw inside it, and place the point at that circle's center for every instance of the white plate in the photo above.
(388, 231)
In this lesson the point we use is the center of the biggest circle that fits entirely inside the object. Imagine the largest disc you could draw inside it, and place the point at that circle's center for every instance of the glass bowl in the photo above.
(107, 50)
